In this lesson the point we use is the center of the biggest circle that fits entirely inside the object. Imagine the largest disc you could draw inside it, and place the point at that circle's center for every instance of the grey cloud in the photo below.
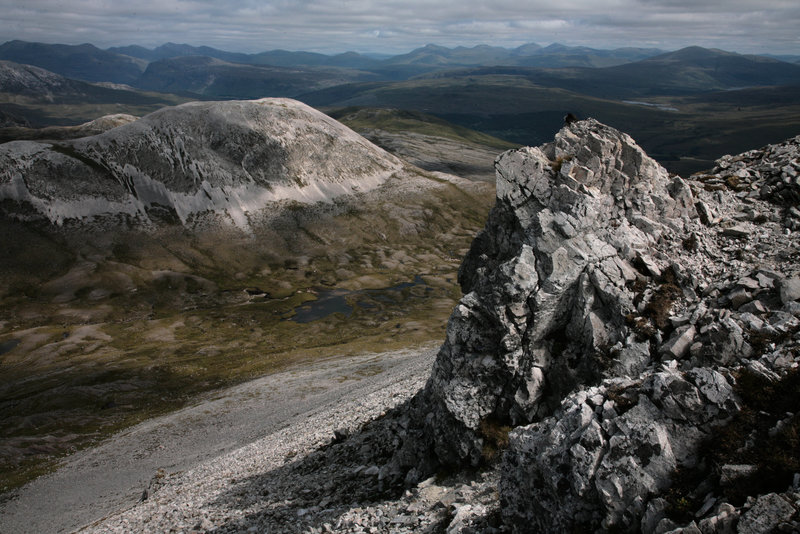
(400, 25)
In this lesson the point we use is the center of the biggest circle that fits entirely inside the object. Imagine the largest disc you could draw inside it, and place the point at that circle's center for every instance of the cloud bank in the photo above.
(397, 26)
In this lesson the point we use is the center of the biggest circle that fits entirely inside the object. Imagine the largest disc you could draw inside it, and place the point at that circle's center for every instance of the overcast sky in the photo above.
(397, 26)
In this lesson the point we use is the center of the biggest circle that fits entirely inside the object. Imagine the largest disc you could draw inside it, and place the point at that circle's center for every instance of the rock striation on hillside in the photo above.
(30, 80)
(233, 160)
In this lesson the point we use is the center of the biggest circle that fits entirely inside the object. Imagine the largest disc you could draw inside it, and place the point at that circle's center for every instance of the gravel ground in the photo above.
(186, 460)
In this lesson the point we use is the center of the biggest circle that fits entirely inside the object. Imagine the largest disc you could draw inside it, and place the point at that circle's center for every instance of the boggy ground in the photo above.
(99, 334)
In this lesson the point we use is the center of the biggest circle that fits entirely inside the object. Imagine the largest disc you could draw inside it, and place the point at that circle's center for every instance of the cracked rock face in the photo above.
(609, 313)
(547, 284)
(608, 448)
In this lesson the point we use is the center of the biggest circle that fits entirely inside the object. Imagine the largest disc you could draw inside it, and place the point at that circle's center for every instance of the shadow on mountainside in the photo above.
(321, 487)
(347, 486)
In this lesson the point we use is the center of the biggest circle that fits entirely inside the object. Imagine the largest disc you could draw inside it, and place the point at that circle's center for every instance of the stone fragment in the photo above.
(783, 321)
(751, 321)
(789, 289)
(768, 512)
(679, 320)
(678, 344)
(759, 369)
(707, 216)
(656, 511)
(665, 525)
(737, 231)
(707, 505)
(371, 471)
(755, 307)
(748, 283)
(766, 280)
(651, 266)
(463, 518)
(691, 528)
(722, 522)
(738, 297)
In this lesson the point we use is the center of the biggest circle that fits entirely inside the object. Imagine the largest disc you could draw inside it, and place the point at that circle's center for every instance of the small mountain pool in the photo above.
(338, 300)
(6, 346)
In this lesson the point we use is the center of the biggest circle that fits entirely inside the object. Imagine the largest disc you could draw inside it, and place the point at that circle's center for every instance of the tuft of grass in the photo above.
(624, 398)
(495, 437)
(660, 305)
(559, 162)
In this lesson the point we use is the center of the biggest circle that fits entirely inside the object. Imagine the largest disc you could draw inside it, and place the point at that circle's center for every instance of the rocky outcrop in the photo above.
(550, 283)
(615, 316)
(233, 160)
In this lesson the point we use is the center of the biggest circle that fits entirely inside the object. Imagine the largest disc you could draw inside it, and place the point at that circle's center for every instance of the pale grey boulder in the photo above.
(767, 514)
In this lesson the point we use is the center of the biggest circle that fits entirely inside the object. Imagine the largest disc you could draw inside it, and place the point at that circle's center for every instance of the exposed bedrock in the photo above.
(609, 312)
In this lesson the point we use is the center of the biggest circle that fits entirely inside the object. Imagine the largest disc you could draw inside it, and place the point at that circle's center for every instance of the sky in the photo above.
(398, 26)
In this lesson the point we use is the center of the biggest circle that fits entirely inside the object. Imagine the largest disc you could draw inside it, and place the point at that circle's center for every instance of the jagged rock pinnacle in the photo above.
(546, 282)
(602, 310)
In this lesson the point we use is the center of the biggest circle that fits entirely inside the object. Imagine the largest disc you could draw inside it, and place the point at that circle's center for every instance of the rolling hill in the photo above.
(34, 97)
(210, 77)
(426, 141)
(82, 62)
(693, 69)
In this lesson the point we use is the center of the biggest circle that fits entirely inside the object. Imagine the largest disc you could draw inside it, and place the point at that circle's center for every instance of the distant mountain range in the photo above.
(665, 99)
(555, 55)
(181, 68)
(206, 71)
(127, 64)
(216, 78)
(686, 71)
